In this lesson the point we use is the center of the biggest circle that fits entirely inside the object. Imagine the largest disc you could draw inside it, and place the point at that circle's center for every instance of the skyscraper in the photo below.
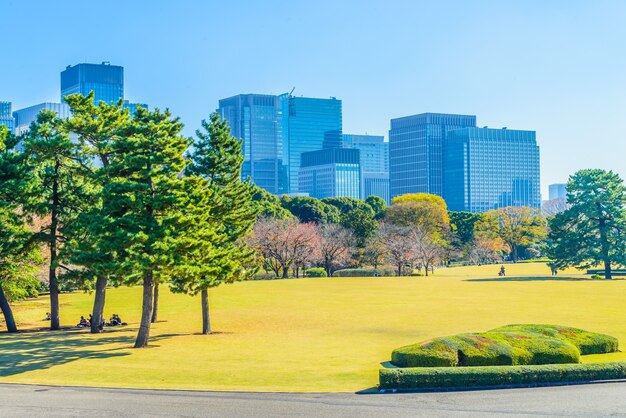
(105, 80)
(312, 124)
(331, 172)
(556, 191)
(6, 118)
(276, 130)
(24, 117)
(374, 152)
(415, 151)
(257, 119)
(491, 168)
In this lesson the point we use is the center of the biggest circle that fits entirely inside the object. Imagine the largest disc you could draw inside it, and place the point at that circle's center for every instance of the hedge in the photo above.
(316, 272)
(467, 377)
(506, 346)
(364, 272)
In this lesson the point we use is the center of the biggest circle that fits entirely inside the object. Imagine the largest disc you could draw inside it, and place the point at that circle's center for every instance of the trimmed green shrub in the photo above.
(364, 272)
(506, 346)
(316, 272)
(457, 377)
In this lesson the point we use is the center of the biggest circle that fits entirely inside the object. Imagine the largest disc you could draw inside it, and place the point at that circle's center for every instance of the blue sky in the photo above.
(557, 67)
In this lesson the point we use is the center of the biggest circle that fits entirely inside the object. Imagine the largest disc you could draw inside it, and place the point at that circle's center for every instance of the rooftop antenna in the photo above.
(291, 91)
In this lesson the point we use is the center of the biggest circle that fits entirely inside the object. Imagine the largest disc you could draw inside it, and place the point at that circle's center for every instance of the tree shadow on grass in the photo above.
(36, 350)
(535, 279)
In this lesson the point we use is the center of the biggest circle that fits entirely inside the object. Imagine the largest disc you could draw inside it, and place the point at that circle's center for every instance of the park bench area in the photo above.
(601, 272)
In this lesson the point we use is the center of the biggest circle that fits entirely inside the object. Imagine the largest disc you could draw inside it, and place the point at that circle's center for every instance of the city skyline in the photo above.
(554, 67)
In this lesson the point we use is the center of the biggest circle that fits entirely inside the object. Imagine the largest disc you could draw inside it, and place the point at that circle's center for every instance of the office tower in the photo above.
(6, 118)
(491, 168)
(556, 191)
(415, 151)
(257, 119)
(276, 130)
(312, 124)
(332, 172)
(374, 161)
(24, 117)
(105, 80)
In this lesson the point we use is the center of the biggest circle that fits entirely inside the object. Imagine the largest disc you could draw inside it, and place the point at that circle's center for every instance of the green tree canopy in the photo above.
(515, 226)
(309, 209)
(425, 214)
(269, 205)
(378, 205)
(592, 230)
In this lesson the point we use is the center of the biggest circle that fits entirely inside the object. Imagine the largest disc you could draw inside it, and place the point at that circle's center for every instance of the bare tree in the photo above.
(398, 244)
(335, 246)
(284, 244)
(428, 250)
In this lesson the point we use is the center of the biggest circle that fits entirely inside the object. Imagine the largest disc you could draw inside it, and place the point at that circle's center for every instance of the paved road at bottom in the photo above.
(597, 400)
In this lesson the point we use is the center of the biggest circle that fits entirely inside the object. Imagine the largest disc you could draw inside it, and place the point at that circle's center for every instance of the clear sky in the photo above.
(557, 67)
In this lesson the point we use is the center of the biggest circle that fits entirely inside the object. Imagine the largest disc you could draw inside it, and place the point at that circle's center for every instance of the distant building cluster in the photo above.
(296, 145)
(105, 80)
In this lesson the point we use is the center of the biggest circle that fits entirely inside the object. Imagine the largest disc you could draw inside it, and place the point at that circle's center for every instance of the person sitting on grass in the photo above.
(502, 271)
(48, 317)
(83, 322)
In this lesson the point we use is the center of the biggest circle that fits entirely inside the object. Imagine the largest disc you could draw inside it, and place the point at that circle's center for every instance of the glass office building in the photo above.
(6, 117)
(491, 168)
(333, 172)
(374, 161)
(105, 80)
(24, 117)
(557, 191)
(312, 124)
(257, 119)
(416, 151)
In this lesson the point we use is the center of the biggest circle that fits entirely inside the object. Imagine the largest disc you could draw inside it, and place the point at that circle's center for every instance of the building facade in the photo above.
(374, 152)
(556, 191)
(105, 80)
(332, 172)
(491, 168)
(6, 117)
(277, 130)
(24, 117)
(312, 124)
(416, 151)
(257, 119)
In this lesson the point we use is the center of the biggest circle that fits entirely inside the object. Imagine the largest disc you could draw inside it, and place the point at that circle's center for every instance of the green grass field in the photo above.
(300, 335)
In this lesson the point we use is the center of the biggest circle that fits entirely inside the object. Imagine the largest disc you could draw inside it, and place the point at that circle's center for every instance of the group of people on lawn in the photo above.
(85, 323)
(113, 322)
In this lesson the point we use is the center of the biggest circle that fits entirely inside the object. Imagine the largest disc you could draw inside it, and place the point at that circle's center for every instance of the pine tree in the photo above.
(57, 194)
(225, 215)
(144, 203)
(18, 249)
(96, 127)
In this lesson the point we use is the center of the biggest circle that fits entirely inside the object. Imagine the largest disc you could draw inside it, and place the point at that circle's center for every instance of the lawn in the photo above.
(300, 335)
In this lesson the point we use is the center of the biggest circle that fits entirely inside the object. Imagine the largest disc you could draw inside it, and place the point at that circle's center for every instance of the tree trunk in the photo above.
(7, 312)
(426, 269)
(155, 303)
(55, 322)
(285, 272)
(206, 320)
(399, 270)
(97, 314)
(607, 270)
(146, 312)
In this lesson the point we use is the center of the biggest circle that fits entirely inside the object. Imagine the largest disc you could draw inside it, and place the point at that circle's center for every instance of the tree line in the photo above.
(121, 199)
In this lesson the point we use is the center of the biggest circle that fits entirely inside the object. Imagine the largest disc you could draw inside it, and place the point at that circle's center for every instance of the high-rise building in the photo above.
(312, 124)
(491, 168)
(257, 119)
(276, 130)
(556, 191)
(332, 172)
(416, 151)
(105, 80)
(6, 117)
(24, 117)
(374, 161)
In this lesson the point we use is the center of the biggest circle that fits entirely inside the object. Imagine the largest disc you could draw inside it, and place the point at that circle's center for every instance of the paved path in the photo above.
(569, 401)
